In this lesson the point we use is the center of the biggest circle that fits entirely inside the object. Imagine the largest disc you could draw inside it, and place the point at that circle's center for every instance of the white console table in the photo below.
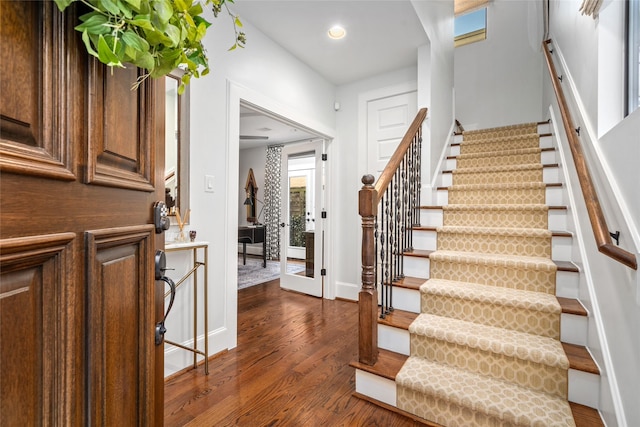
(195, 246)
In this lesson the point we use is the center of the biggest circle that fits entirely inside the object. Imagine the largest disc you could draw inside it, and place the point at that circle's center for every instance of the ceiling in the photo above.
(381, 36)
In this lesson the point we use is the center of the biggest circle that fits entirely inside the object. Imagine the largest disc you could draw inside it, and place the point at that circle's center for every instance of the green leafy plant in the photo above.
(155, 35)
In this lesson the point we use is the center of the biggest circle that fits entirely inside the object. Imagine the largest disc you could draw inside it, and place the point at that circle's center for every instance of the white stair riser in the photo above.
(376, 387)
(548, 157)
(394, 339)
(557, 219)
(416, 267)
(567, 284)
(546, 142)
(544, 128)
(584, 388)
(574, 329)
(553, 196)
(431, 217)
(425, 239)
(406, 299)
(434, 218)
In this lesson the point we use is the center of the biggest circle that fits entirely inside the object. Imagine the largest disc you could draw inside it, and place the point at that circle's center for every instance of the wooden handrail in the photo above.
(398, 155)
(596, 216)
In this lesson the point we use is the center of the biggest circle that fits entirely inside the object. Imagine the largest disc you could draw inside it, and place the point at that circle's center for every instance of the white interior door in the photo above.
(302, 233)
(387, 121)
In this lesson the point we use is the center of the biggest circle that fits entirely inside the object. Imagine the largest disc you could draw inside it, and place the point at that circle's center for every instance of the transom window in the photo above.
(470, 27)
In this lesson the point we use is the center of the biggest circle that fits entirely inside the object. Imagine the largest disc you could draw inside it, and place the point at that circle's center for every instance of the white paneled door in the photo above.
(302, 230)
(388, 119)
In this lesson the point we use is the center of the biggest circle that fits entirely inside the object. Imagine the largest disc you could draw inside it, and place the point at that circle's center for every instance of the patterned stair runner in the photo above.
(485, 349)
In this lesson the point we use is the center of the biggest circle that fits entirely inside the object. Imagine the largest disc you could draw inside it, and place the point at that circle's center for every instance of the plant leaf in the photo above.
(135, 41)
(141, 21)
(94, 23)
(87, 44)
(126, 11)
(145, 60)
(110, 6)
(134, 3)
(62, 4)
(174, 34)
(105, 55)
(164, 10)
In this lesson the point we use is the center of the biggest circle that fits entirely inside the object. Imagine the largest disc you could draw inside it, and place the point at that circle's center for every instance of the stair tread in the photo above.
(585, 416)
(499, 259)
(555, 233)
(580, 359)
(419, 253)
(496, 206)
(572, 306)
(567, 266)
(510, 343)
(518, 186)
(516, 405)
(387, 366)
(497, 169)
(409, 282)
(510, 152)
(529, 300)
(398, 319)
(499, 231)
(542, 149)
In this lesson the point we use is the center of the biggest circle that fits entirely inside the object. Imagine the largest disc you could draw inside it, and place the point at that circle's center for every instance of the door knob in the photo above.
(282, 224)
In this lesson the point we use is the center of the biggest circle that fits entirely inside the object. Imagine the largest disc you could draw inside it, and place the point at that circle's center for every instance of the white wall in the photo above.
(498, 81)
(266, 74)
(436, 82)
(609, 290)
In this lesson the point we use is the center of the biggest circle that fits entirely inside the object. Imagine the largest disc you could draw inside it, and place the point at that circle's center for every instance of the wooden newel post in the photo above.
(368, 296)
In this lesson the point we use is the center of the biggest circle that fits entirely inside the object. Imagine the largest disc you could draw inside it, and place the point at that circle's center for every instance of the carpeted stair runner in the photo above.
(485, 349)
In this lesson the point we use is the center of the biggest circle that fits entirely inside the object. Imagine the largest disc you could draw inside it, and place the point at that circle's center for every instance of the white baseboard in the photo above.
(347, 291)
(177, 359)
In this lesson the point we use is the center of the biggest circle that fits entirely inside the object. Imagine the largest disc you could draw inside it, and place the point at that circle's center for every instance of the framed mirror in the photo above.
(176, 170)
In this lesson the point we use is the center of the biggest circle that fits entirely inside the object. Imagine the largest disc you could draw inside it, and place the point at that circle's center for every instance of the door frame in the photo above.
(235, 94)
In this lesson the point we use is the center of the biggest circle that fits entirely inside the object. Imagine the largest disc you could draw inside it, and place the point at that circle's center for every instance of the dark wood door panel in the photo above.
(119, 317)
(39, 310)
(79, 167)
(121, 130)
(34, 107)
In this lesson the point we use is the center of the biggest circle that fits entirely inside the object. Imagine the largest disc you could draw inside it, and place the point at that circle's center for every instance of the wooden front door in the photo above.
(81, 160)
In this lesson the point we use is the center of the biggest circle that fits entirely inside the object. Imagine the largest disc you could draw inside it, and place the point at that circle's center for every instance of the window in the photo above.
(633, 55)
(470, 27)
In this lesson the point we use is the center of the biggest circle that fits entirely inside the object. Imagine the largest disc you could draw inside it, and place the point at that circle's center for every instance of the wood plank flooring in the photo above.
(291, 368)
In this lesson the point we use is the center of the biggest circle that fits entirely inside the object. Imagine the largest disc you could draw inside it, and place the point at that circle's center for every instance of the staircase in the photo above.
(486, 328)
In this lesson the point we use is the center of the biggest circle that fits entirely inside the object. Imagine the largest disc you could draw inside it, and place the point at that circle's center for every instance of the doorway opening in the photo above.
(265, 138)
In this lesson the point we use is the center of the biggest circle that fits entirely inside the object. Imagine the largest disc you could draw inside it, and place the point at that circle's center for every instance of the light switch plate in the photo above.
(209, 182)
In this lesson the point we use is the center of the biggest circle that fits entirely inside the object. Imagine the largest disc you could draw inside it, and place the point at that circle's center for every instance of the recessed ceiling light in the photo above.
(337, 32)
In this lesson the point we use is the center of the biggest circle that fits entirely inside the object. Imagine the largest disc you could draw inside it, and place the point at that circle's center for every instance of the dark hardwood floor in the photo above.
(291, 368)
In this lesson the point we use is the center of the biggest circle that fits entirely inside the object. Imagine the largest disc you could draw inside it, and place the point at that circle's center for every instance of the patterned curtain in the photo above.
(272, 198)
